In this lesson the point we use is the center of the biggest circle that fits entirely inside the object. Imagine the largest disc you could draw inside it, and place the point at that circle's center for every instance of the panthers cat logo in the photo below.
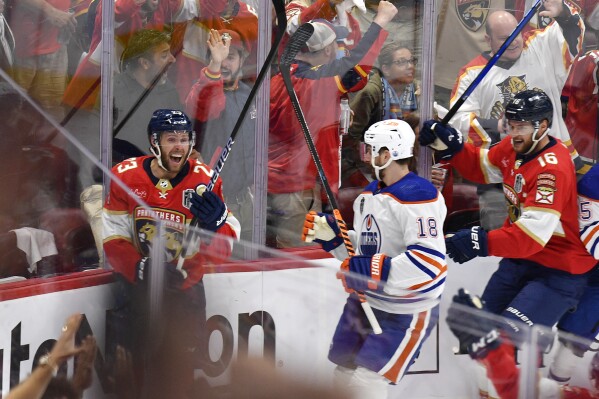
(472, 13)
(147, 231)
(508, 89)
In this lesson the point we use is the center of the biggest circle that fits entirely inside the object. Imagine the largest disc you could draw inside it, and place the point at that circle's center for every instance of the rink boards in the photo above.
(290, 309)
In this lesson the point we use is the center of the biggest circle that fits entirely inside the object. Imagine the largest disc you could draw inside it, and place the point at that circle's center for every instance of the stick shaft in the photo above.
(295, 43)
(282, 24)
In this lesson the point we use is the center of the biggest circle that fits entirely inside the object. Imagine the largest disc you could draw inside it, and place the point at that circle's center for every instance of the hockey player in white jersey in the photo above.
(399, 266)
(584, 322)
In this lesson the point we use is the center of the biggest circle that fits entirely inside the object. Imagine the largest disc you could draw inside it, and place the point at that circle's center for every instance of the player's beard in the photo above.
(381, 175)
(168, 161)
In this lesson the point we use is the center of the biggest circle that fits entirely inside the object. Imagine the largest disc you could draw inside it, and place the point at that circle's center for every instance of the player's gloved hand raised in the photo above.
(210, 210)
(467, 244)
(476, 332)
(322, 228)
(443, 138)
(363, 272)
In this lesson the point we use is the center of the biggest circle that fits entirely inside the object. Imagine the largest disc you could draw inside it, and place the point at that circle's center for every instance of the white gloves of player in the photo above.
(322, 229)
(344, 7)
(316, 227)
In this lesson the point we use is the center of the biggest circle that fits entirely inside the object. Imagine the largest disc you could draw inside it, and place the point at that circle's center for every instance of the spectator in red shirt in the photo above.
(319, 80)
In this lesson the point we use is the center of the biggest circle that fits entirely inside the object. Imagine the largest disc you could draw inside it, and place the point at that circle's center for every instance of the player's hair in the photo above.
(140, 45)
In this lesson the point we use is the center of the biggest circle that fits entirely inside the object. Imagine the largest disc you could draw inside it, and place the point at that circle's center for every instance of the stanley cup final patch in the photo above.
(545, 189)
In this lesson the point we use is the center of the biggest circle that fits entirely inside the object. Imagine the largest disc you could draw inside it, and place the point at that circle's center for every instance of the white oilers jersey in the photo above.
(404, 221)
(588, 210)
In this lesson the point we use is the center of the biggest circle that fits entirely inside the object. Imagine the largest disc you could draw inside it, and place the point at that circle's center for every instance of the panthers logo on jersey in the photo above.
(147, 231)
(370, 236)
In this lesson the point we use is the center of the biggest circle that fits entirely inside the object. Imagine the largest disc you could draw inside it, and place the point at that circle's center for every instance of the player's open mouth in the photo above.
(176, 158)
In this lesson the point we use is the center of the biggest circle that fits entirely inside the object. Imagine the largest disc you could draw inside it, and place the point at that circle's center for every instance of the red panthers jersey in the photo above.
(130, 228)
(540, 191)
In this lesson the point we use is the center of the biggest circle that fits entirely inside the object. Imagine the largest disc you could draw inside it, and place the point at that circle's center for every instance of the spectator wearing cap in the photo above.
(319, 80)
(301, 11)
(145, 62)
(215, 102)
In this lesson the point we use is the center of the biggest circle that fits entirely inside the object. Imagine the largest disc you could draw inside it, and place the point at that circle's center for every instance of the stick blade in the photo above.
(296, 42)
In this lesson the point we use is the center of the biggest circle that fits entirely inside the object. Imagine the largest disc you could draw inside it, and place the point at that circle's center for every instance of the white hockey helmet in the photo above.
(395, 135)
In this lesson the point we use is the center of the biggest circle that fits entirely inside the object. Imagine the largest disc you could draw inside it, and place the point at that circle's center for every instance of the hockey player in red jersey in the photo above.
(543, 271)
(164, 186)
(479, 336)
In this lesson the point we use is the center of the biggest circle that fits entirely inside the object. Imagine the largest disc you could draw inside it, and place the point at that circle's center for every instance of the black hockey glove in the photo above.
(467, 244)
(443, 138)
(142, 269)
(173, 278)
(210, 210)
(476, 333)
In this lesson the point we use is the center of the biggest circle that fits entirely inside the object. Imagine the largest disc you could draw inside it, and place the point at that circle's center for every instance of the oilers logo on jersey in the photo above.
(370, 236)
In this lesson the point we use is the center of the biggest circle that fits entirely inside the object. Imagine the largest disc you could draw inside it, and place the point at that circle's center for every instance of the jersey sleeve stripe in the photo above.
(430, 261)
(420, 266)
(429, 251)
(530, 234)
(540, 224)
(483, 139)
(491, 172)
(418, 287)
(590, 238)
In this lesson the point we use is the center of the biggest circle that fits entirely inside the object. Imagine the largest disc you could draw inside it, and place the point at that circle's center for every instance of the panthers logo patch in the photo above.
(147, 230)
(472, 13)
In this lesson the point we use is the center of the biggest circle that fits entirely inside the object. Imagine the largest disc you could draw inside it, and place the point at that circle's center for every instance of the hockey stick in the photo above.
(281, 27)
(296, 42)
(452, 111)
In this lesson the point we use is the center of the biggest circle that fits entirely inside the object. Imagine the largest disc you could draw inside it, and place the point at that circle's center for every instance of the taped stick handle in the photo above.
(456, 106)
(344, 234)
(374, 323)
